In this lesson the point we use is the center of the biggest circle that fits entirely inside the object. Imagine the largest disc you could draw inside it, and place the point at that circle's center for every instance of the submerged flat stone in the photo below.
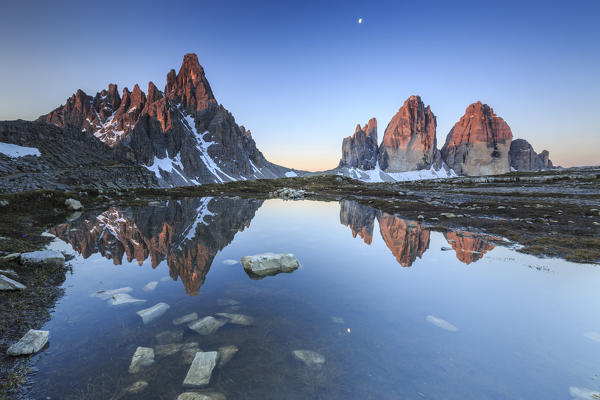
(165, 350)
(227, 302)
(337, 320)
(226, 353)
(30, 343)
(310, 358)
(201, 369)
(201, 396)
(238, 319)
(7, 283)
(150, 314)
(43, 257)
(441, 323)
(167, 337)
(150, 286)
(107, 294)
(142, 358)
(123, 298)
(207, 325)
(166, 278)
(185, 319)
(229, 261)
(265, 264)
(137, 387)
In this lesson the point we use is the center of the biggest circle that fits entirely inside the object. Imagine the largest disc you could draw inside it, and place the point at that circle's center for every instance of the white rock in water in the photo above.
(185, 319)
(337, 320)
(9, 272)
(123, 298)
(8, 284)
(73, 204)
(270, 263)
(47, 235)
(226, 353)
(107, 294)
(30, 343)
(238, 319)
(201, 369)
(150, 286)
(441, 323)
(142, 358)
(207, 325)
(150, 314)
(201, 396)
(45, 257)
(10, 257)
(166, 278)
(164, 350)
(137, 387)
(230, 262)
(310, 358)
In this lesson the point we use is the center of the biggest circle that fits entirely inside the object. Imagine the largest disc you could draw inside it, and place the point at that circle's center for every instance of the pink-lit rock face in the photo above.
(468, 247)
(190, 86)
(406, 239)
(479, 143)
(409, 142)
(360, 149)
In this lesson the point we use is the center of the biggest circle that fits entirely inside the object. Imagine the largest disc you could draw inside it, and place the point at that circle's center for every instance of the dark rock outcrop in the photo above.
(68, 158)
(409, 142)
(360, 150)
(524, 158)
(479, 143)
(182, 135)
(187, 233)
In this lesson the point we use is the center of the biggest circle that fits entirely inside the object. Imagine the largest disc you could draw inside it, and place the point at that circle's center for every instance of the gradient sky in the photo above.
(301, 75)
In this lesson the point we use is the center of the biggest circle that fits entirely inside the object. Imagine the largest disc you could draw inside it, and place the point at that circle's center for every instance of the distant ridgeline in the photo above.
(480, 143)
(181, 136)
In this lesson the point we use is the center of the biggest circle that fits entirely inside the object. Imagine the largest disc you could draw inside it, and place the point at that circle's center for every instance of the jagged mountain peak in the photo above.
(181, 134)
(190, 86)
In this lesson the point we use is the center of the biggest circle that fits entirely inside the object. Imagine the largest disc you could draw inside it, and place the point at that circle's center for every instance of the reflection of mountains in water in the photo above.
(186, 233)
(407, 239)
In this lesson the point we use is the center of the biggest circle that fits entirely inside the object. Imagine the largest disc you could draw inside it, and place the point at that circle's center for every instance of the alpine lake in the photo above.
(381, 307)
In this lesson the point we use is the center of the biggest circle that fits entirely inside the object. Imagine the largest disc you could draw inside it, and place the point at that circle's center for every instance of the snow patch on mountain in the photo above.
(377, 175)
(16, 151)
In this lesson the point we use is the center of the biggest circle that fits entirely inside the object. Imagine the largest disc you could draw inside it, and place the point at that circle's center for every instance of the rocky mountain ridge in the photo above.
(480, 143)
(181, 134)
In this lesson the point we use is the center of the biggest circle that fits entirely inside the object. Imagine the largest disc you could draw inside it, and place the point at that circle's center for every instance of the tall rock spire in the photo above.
(409, 142)
(479, 143)
(360, 149)
(189, 87)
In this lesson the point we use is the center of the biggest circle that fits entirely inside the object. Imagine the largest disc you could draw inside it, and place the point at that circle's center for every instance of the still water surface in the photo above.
(398, 311)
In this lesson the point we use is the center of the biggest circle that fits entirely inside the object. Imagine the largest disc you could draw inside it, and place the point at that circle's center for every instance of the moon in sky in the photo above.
(360, 20)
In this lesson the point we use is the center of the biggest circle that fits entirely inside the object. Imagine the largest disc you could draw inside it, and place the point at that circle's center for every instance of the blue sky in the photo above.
(301, 75)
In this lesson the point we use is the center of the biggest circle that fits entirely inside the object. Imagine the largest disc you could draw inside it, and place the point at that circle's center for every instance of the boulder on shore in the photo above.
(43, 257)
(261, 265)
(7, 283)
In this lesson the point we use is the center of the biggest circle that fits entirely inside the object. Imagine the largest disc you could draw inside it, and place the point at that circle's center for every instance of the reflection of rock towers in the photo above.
(359, 218)
(406, 239)
(469, 247)
(187, 233)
